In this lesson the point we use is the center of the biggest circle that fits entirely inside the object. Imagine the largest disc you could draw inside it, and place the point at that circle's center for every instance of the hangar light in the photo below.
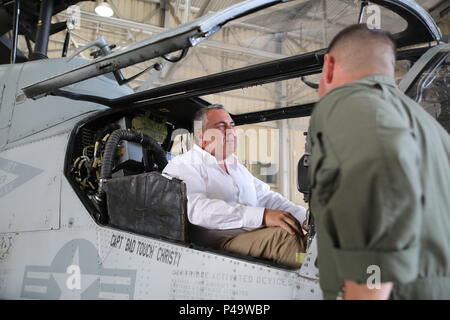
(104, 9)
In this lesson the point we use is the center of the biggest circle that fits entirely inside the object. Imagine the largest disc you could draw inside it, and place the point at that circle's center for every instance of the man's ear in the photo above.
(198, 137)
(328, 68)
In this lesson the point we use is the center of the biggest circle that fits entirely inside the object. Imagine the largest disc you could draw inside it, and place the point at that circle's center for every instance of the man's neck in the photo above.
(367, 73)
(221, 162)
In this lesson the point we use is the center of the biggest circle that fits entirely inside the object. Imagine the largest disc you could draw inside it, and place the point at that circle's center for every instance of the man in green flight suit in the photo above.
(380, 178)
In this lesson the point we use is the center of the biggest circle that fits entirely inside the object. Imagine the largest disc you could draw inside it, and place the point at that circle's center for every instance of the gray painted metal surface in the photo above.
(60, 128)
(21, 117)
(9, 77)
(134, 267)
(30, 184)
(113, 264)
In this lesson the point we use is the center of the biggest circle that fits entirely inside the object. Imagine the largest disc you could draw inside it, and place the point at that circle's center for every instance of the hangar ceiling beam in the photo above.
(152, 29)
(309, 16)
(114, 7)
(440, 10)
(203, 9)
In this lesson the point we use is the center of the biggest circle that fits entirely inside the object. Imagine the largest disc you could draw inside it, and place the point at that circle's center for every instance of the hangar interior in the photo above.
(271, 150)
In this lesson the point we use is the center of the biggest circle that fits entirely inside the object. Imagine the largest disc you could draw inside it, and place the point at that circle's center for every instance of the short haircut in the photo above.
(364, 31)
(358, 34)
(200, 115)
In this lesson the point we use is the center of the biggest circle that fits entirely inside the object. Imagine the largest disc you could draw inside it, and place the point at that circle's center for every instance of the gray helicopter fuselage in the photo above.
(51, 247)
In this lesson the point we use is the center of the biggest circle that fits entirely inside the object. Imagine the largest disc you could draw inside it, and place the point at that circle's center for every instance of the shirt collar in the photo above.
(378, 78)
(206, 157)
(370, 80)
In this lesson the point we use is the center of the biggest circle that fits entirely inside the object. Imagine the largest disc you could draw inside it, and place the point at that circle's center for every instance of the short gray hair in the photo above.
(200, 115)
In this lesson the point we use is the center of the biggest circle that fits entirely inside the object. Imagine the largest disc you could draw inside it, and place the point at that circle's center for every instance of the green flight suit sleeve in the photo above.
(368, 185)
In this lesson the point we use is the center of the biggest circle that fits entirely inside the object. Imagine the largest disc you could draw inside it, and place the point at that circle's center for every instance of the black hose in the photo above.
(108, 159)
(119, 135)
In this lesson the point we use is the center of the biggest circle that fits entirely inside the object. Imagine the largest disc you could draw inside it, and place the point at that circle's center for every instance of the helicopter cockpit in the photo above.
(115, 164)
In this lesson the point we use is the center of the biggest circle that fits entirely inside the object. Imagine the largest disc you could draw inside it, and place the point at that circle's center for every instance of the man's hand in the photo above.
(355, 291)
(283, 219)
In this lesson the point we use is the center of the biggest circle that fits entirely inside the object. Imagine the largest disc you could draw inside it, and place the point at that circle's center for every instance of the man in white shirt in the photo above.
(228, 208)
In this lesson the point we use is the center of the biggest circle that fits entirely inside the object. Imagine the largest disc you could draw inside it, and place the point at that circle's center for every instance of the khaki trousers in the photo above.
(273, 243)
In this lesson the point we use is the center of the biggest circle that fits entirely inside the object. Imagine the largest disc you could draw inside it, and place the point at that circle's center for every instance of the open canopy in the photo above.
(409, 22)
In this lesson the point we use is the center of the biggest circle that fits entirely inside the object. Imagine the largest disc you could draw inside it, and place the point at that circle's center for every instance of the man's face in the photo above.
(219, 135)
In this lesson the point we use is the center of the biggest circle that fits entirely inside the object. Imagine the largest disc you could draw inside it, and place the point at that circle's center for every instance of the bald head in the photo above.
(357, 52)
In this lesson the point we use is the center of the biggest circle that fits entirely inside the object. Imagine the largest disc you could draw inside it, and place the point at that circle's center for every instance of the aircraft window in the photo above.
(432, 90)
(401, 68)
(279, 94)
(267, 96)
(287, 29)
(271, 150)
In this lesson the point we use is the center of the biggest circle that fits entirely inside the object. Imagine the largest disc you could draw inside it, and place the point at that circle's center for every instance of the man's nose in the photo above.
(230, 131)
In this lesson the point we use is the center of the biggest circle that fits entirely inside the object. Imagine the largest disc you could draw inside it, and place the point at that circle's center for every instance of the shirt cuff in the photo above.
(300, 214)
(396, 266)
(253, 217)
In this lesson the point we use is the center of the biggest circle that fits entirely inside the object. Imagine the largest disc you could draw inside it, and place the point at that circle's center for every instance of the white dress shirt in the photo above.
(233, 202)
